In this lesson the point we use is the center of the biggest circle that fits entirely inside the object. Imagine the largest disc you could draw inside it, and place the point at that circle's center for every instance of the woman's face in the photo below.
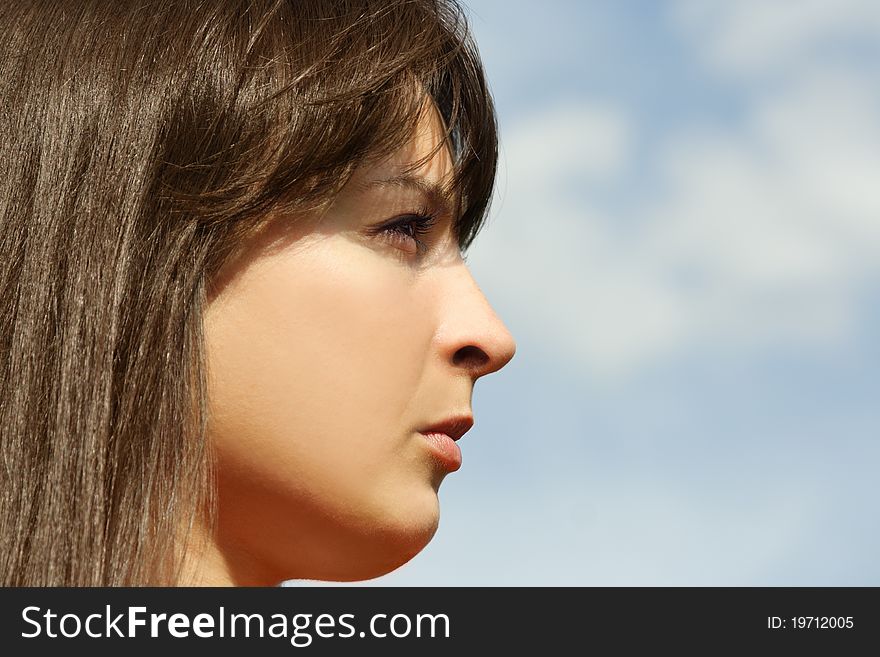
(332, 347)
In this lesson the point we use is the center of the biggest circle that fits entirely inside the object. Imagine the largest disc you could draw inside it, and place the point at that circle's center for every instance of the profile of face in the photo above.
(334, 344)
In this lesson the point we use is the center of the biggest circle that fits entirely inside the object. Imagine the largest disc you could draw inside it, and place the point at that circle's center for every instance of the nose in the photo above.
(472, 335)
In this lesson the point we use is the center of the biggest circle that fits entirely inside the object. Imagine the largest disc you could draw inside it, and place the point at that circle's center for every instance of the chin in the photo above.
(387, 541)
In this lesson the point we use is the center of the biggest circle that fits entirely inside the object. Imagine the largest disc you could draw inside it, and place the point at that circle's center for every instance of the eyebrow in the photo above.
(439, 196)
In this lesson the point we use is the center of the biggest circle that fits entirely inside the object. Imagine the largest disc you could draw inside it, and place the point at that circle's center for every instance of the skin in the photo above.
(330, 346)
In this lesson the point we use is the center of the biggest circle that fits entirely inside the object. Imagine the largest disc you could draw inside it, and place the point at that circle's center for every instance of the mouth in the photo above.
(441, 438)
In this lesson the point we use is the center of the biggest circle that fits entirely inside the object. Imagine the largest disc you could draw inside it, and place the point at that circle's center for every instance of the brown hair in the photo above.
(140, 142)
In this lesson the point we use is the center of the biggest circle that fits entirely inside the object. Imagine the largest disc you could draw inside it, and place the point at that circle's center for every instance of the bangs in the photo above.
(331, 85)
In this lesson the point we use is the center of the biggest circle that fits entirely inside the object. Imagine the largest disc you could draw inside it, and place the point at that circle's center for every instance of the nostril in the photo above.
(470, 357)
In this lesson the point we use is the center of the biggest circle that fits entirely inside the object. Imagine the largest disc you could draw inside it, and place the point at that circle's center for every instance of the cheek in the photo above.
(314, 360)
(325, 343)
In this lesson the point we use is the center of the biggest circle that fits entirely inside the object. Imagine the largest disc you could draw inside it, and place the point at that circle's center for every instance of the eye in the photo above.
(406, 231)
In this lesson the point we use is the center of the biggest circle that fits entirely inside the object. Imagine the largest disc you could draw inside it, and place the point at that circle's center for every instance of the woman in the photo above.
(239, 337)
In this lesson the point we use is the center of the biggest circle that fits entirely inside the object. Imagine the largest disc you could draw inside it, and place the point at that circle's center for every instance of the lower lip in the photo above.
(445, 449)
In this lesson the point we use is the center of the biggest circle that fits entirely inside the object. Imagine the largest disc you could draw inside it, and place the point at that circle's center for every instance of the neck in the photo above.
(209, 562)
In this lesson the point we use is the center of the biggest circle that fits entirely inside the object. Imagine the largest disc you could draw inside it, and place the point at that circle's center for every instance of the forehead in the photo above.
(423, 162)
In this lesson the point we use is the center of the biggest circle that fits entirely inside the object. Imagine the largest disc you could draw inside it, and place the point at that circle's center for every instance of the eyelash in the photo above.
(410, 228)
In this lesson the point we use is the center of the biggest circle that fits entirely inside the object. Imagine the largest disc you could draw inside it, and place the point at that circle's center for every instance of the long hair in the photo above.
(141, 141)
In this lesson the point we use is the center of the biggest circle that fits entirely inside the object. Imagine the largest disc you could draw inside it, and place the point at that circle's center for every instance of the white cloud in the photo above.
(757, 37)
(593, 140)
(764, 230)
(555, 259)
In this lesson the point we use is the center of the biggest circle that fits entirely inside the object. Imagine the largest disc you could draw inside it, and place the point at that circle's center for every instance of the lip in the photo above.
(441, 439)
(454, 427)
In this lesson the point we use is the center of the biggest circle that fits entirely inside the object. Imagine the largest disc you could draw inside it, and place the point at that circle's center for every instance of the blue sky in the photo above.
(686, 245)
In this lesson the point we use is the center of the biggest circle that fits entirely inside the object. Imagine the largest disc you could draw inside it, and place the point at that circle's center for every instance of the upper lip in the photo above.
(454, 427)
